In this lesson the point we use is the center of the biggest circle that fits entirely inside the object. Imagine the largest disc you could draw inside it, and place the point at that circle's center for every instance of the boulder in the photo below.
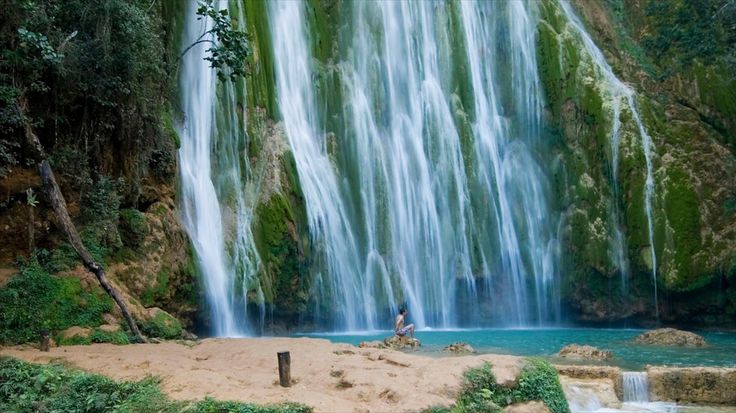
(576, 351)
(76, 331)
(110, 328)
(528, 407)
(401, 343)
(671, 337)
(459, 348)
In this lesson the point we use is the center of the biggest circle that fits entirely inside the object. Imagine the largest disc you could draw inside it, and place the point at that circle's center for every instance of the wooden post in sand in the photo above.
(284, 368)
(45, 340)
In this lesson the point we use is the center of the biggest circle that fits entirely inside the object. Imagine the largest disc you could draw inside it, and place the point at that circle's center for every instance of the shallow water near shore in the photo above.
(545, 342)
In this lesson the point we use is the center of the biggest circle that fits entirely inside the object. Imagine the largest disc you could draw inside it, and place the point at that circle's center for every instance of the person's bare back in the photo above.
(399, 328)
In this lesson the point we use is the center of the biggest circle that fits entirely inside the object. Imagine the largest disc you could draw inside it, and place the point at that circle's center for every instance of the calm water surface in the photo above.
(545, 342)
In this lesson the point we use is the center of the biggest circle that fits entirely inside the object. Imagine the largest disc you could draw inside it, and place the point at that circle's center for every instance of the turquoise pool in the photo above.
(545, 342)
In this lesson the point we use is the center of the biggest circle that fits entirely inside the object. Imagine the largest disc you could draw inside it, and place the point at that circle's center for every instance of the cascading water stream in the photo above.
(635, 387)
(214, 209)
(618, 91)
(426, 196)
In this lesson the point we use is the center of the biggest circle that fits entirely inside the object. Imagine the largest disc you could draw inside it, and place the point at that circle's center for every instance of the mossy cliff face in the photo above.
(693, 168)
(279, 224)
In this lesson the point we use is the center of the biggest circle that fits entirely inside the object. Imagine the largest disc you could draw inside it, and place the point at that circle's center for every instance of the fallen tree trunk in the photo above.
(53, 193)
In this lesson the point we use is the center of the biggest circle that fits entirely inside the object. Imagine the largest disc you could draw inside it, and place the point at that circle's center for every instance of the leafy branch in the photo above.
(229, 52)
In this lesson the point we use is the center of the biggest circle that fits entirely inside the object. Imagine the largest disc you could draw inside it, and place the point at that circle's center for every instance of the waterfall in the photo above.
(215, 213)
(622, 93)
(430, 190)
(635, 387)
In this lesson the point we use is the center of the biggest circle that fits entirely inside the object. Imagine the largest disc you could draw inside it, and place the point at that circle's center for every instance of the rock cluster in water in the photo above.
(459, 348)
(671, 337)
(577, 351)
(401, 343)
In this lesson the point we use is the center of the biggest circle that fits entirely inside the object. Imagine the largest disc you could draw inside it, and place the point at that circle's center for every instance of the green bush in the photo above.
(36, 300)
(30, 388)
(538, 381)
(117, 337)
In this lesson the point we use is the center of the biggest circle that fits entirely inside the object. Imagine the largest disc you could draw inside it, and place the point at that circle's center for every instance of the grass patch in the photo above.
(28, 388)
(36, 300)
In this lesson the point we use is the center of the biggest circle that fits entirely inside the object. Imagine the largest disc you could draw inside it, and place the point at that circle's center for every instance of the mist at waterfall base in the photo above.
(432, 189)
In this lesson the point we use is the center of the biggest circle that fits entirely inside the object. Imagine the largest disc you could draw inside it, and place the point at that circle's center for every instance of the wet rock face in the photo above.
(459, 348)
(401, 343)
(576, 351)
(671, 337)
(714, 385)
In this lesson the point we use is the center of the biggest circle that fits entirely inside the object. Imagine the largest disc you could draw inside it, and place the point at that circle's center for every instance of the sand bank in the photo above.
(327, 376)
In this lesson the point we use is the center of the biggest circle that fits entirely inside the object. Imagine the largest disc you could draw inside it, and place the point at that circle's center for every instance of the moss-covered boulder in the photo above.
(671, 337)
(161, 324)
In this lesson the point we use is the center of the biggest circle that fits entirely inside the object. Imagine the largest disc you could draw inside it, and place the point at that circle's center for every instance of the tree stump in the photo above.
(284, 368)
(45, 340)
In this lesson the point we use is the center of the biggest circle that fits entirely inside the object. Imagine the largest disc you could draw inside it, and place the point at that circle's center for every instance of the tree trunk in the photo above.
(53, 193)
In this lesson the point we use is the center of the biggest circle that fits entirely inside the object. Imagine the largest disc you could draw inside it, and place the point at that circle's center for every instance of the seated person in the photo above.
(399, 328)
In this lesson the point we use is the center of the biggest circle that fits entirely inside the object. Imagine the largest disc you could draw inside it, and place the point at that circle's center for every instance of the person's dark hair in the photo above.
(402, 310)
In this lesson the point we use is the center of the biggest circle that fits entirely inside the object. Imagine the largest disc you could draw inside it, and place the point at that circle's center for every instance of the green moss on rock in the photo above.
(161, 325)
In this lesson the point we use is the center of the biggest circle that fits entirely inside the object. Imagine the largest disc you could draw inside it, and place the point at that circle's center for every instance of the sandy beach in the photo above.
(327, 376)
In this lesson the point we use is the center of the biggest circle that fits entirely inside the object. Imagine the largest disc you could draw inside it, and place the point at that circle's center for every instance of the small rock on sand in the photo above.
(459, 348)
(671, 337)
(577, 351)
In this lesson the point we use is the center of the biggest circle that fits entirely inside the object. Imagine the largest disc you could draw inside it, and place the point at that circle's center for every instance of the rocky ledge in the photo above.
(671, 337)
(576, 351)
(716, 385)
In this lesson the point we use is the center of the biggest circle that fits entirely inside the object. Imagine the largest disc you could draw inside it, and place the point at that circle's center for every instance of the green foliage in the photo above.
(116, 337)
(54, 388)
(682, 30)
(36, 300)
(229, 54)
(133, 227)
(437, 409)
(209, 405)
(538, 381)
(162, 325)
(91, 77)
(100, 211)
(30, 388)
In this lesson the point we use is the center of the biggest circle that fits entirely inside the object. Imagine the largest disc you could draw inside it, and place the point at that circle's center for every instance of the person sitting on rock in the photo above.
(399, 328)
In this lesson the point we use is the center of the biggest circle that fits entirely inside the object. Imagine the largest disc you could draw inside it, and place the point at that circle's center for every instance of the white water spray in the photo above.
(424, 194)
(211, 123)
